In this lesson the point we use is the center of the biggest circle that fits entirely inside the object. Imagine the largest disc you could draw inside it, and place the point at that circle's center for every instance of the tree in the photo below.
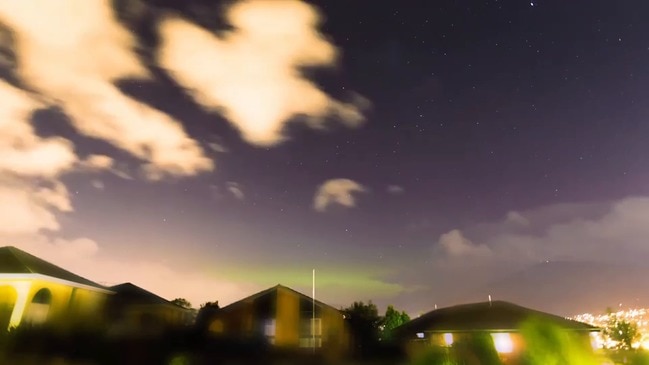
(392, 319)
(182, 302)
(363, 321)
(206, 314)
(620, 331)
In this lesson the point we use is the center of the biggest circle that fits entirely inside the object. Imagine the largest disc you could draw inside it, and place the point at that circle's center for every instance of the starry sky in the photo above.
(415, 153)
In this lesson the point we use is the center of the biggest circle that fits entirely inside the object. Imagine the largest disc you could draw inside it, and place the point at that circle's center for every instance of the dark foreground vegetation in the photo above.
(547, 345)
(174, 347)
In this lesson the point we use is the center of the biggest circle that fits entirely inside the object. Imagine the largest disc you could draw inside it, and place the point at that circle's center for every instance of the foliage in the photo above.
(548, 344)
(206, 313)
(213, 305)
(622, 332)
(363, 321)
(392, 319)
(182, 302)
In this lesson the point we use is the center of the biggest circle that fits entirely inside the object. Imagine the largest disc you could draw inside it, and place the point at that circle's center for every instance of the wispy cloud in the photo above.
(251, 74)
(71, 52)
(395, 189)
(236, 190)
(337, 192)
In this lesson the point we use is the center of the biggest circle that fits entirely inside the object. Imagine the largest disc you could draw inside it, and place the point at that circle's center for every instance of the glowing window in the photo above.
(269, 328)
(503, 342)
(448, 339)
(39, 307)
(420, 335)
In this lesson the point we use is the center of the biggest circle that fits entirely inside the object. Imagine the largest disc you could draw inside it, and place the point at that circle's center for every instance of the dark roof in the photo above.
(484, 316)
(16, 261)
(272, 290)
(133, 294)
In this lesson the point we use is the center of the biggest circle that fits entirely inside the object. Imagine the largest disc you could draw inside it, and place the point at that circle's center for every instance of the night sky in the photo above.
(414, 153)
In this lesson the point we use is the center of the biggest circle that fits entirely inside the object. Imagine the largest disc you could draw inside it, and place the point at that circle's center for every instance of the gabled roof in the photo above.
(485, 316)
(133, 294)
(275, 289)
(16, 261)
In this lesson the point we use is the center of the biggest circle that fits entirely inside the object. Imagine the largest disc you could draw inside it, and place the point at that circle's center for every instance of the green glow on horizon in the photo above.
(364, 282)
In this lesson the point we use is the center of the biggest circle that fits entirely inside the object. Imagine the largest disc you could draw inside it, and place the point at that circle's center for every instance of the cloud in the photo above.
(617, 231)
(337, 192)
(30, 166)
(98, 184)
(25, 208)
(71, 52)
(236, 191)
(98, 162)
(252, 74)
(516, 219)
(454, 244)
(218, 147)
(22, 151)
(395, 189)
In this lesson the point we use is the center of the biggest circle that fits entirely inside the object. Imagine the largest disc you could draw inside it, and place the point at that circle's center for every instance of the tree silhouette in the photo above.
(206, 314)
(622, 332)
(182, 302)
(363, 321)
(392, 319)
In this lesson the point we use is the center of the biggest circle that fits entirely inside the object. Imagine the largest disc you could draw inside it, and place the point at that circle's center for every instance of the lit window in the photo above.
(503, 342)
(448, 339)
(269, 328)
(420, 335)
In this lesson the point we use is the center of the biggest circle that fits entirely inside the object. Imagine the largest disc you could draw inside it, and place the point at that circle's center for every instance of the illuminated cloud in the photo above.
(337, 192)
(30, 190)
(25, 208)
(22, 151)
(454, 244)
(71, 52)
(98, 162)
(251, 74)
(236, 191)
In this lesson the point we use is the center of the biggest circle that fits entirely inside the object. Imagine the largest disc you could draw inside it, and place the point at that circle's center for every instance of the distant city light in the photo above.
(638, 316)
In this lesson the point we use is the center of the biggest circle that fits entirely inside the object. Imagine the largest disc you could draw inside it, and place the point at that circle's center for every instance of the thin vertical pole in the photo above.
(313, 310)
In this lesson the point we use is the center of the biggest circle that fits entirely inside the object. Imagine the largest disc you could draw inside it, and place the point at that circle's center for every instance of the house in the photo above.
(499, 322)
(36, 292)
(285, 318)
(136, 310)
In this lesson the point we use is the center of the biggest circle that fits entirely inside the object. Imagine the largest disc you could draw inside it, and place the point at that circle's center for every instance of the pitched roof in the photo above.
(484, 316)
(16, 261)
(134, 294)
(274, 289)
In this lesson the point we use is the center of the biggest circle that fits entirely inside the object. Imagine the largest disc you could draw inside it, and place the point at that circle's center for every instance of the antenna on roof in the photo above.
(490, 300)
(313, 312)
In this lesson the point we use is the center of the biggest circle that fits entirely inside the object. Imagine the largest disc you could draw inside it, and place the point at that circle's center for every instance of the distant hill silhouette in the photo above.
(569, 287)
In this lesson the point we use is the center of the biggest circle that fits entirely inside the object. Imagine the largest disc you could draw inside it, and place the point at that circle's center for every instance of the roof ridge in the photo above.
(13, 251)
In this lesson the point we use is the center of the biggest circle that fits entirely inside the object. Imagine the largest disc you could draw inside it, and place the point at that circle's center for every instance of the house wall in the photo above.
(287, 316)
(148, 317)
(245, 319)
(68, 306)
